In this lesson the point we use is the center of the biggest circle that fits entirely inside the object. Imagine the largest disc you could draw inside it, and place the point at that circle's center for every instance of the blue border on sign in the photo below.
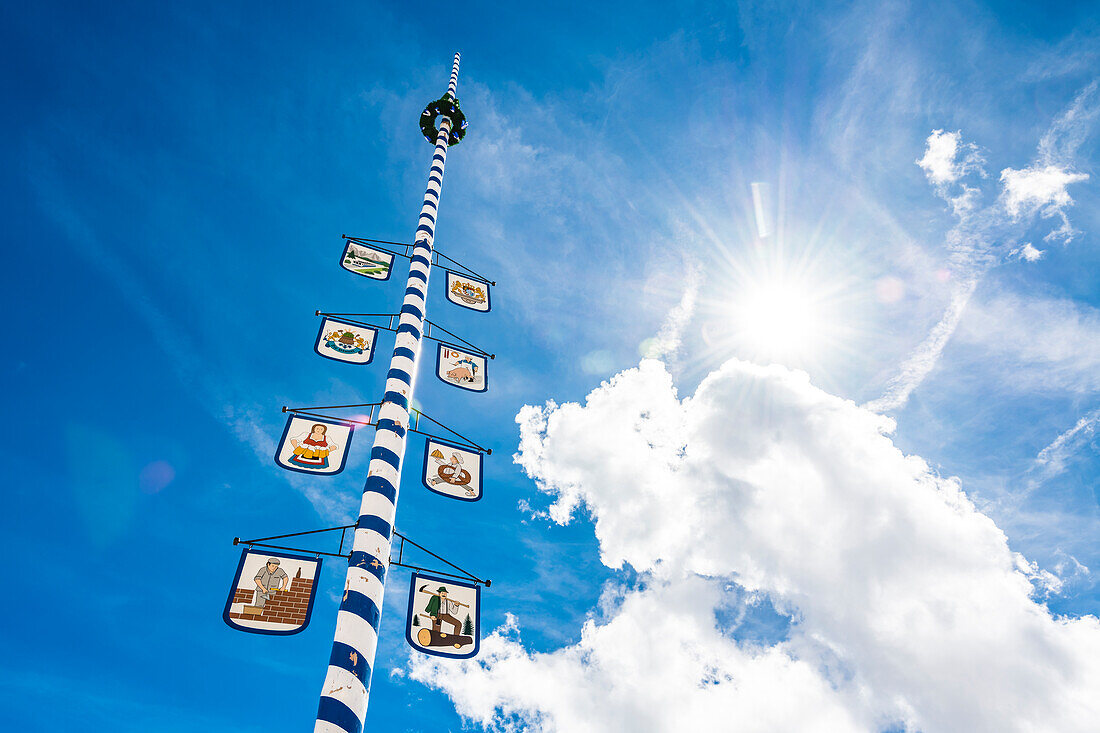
(321, 332)
(477, 616)
(447, 292)
(343, 458)
(439, 361)
(389, 271)
(480, 469)
(309, 608)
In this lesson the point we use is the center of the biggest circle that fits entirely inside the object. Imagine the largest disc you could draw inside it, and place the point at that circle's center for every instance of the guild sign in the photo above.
(468, 292)
(367, 262)
(444, 617)
(451, 470)
(347, 342)
(314, 445)
(460, 369)
(272, 594)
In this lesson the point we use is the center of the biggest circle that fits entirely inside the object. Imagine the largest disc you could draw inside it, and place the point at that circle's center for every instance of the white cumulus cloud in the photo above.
(1038, 188)
(908, 603)
(1027, 252)
(941, 161)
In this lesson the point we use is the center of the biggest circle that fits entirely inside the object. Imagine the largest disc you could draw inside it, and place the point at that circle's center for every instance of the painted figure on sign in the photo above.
(451, 472)
(464, 371)
(441, 609)
(272, 594)
(312, 451)
(269, 579)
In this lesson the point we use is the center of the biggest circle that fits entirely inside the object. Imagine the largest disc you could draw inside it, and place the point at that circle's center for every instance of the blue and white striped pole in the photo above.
(343, 705)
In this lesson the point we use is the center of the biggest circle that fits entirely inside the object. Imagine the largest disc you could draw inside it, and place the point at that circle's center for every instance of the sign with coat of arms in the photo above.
(451, 470)
(461, 369)
(367, 261)
(272, 594)
(314, 445)
(468, 292)
(444, 617)
(348, 342)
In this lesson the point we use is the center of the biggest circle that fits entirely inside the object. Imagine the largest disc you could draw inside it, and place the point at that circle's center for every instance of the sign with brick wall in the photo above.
(314, 445)
(452, 470)
(444, 617)
(272, 594)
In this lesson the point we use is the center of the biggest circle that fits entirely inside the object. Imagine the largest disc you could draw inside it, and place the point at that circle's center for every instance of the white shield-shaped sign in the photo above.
(444, 617)
(367, 261)
(468, 292)
(451, 470)
(461, 369)
(349, 342)
(314, 445)
(272, 594)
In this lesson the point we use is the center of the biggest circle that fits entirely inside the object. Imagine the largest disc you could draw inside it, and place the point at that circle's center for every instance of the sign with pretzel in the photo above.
(452, 470)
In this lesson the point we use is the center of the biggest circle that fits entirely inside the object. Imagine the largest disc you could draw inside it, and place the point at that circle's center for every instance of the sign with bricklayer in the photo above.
(272, 594)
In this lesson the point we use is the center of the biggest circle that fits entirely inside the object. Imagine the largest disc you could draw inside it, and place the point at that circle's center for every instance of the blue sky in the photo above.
(176, 184)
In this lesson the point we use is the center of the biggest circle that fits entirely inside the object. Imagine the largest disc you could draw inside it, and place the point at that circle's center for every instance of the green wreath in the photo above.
(444, 107)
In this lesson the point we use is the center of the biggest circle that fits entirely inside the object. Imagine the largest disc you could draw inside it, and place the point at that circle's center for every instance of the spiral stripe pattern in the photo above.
(343, 705)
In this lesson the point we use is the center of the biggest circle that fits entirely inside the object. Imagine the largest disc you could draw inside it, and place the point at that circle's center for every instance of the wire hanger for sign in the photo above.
(263, 542)
(466, 441)
(461, 268)
(466, 345)
(308, 412)
(370, 421)
(466, 575)
(471, 347)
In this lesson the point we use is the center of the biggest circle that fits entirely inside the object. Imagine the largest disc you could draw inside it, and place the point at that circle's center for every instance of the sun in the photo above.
(778, 308)
(781, 318)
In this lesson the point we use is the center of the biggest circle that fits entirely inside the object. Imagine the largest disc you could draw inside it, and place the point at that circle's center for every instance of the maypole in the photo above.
(343, 704)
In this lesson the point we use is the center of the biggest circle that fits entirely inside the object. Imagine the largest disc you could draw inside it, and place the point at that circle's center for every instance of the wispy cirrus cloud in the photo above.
(1033, 343)
(984, 236)
(666, 343)
(1052, 459)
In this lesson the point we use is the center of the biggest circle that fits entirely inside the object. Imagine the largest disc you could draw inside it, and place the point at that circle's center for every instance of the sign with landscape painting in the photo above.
(367, 261)
(444, 617)
(347, 342)
(272, 594)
